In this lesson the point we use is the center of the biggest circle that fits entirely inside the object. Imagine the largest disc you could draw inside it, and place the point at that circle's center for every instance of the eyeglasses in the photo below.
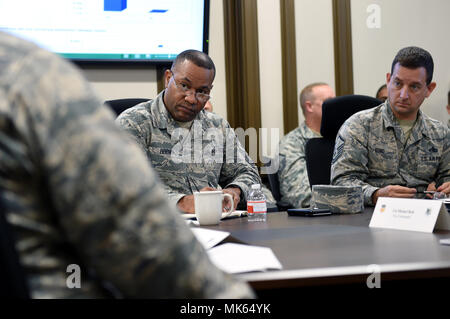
(202, 97)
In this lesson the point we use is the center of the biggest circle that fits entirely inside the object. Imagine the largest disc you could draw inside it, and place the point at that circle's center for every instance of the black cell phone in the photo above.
(308, 212)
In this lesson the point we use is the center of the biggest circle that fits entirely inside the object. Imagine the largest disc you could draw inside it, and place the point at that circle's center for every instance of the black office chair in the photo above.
(120, 105)
(274, 185)
(319, 151)
(12, 276)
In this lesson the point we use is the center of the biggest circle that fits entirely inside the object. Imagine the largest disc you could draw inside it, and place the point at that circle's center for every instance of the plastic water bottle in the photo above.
(256, 205)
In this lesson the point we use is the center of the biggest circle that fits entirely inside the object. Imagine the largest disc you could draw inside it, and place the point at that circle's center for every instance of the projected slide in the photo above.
(117, 29)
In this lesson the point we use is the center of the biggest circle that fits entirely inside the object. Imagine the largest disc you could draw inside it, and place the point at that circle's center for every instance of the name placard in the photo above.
(410, 214)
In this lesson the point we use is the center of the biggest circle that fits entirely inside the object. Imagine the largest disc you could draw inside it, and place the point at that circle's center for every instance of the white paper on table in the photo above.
(236, 258)
(236, 213)
(208, 237)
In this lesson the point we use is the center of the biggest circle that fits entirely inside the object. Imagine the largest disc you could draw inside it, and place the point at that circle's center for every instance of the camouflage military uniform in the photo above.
(371, 151)
(294, 183)
(78, 191)
(338, 199)
(186, 160)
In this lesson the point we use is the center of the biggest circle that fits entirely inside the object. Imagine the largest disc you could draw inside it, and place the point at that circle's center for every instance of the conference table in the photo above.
(339, 250)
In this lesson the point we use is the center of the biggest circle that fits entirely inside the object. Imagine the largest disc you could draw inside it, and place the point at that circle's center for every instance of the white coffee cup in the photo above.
(208, 206)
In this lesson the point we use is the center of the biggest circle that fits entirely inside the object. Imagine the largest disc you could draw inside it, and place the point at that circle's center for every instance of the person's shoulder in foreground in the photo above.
(77, 191)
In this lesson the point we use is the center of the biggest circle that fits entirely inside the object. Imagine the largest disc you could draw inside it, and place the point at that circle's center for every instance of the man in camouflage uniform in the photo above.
(77, 190)
(191, 149)
(395, 150)
(293, 177)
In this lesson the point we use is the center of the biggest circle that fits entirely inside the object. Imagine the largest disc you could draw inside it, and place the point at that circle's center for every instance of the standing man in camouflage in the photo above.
(395, 150)
(78, 191)
(191, 149)
(294, 184)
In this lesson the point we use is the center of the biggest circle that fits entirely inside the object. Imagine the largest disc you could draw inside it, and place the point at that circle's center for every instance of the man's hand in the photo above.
(431, 187)
(186, 204)
(236, 193)
(394, 191)
(444, 188)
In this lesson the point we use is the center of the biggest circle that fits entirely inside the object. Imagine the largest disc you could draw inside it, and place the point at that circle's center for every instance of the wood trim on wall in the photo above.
(289, 65)
(242, 64)
(343, 56)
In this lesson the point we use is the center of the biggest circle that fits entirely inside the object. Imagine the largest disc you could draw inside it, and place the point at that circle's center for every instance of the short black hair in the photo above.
(199, 58)
(415, 57)
(379, 90)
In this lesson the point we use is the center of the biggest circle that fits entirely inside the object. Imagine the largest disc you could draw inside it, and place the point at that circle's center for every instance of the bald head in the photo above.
(311, 100)
(307, 94)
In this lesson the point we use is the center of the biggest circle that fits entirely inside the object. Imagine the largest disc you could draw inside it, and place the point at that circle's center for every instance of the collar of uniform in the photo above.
(388, 116)
(160, 115)
(309, 133)
(163, 119)
(390, 120)
(201, 116)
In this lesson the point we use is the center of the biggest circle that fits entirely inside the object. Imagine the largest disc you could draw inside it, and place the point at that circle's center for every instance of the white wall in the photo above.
(217, 54)
(315, 46)
(123, 83)
(403, 23)
(271, 86)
